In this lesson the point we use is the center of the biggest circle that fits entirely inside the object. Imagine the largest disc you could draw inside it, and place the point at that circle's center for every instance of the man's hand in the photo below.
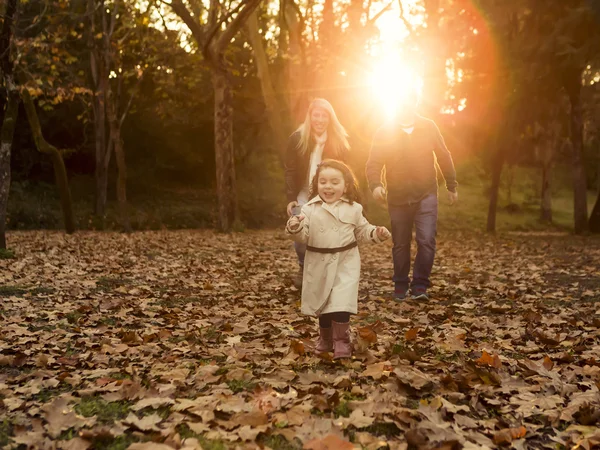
(290, 207)
(382, 233)
(379, 195)
(295, 222)
(452, 197)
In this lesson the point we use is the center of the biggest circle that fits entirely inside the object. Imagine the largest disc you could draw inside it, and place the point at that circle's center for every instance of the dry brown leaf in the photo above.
(329, 442)
(547, 363)
(377, 370)
(146, 423)
(507, 435)
(489, 360)
(297, 347)
(253, 419)
(411, 334)
(149, 446)
(367, 334)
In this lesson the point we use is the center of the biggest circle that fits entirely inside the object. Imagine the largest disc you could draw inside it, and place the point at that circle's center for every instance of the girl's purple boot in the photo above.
(325, 343)
(342, 347)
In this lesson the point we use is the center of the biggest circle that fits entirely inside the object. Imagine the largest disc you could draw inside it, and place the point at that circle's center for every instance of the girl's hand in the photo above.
(290, 207)
(295, 222)
(382, 233)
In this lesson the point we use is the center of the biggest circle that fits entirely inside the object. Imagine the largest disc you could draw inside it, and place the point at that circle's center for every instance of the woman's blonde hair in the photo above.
(337, 136)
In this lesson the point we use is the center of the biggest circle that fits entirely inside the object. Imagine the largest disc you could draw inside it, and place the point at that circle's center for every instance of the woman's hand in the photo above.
(295, 222)
(382, 233)
(290, 207)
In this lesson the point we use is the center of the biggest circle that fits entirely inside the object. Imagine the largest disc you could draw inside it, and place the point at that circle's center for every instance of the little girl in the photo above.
(331, 224)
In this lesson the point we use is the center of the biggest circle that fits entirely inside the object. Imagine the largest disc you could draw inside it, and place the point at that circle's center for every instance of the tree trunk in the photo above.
(117, 142)
(101, 173)
(595, 217)
(274, 110)
(98, 80)
(6, 140)
(297, 98)
(546, 197)
(11, 112)
(579, 178)
(60, 172)
(494, 192)
(224, 156)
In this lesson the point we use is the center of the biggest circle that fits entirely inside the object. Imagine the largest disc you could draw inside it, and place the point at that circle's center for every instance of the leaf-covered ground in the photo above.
(164, 340)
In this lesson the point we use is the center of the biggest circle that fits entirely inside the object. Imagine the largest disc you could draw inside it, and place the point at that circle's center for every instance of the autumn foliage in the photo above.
(165, 340)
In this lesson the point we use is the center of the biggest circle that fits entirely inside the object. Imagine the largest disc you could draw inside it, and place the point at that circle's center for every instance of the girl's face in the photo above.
(331, 185)
(319, 120)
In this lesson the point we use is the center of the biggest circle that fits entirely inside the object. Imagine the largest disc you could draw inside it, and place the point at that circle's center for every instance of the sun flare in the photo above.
(392, 82)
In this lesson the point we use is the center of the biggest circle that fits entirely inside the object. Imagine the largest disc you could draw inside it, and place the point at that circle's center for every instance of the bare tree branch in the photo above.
(213, 13)
(236, 24)
(407, 24)
(128, 106)
(218, 22)
(194, 26)
(380, 13)
(37, 19)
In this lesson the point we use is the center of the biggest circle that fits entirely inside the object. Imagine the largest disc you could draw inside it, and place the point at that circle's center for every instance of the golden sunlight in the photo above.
(392, 81)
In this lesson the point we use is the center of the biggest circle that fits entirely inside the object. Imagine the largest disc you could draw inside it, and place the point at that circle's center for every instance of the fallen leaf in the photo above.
(507, 435)
(329, 442)
(146, 423)
(548, 364)
(489, 360)
(411, 334)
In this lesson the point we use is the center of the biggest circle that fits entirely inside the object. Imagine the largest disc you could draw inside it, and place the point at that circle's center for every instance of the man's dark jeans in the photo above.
(423, 215)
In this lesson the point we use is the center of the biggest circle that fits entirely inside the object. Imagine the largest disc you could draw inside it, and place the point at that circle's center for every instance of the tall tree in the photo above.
(60, 172)
(10, 110)
(571, 42)
(213, 29)
(116, 70)
(274, 108)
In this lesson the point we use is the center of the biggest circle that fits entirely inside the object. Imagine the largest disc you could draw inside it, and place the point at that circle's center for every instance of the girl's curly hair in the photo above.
(352, 191)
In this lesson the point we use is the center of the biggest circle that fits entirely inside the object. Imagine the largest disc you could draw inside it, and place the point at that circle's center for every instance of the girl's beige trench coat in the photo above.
(330, 281)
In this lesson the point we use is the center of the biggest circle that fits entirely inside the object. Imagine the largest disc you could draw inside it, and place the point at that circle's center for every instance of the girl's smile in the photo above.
(332, 185)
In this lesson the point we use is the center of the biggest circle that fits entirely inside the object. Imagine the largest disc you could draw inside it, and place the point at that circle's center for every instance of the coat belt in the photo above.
(331, 250)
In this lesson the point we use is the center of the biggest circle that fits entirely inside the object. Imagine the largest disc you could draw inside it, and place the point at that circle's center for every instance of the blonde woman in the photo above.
(320, 137)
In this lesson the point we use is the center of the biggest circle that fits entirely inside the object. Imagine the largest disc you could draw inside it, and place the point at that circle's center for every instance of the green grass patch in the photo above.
(73, 317)
(120, 376)
(240, 385)
(10, 291)
(342, 410)
(207, 444)
(384, 429)
(121, 442)
(5, 432)
(162, 411)
(42, 290)
(7, 254)
(110, 283)
(108, 321)
(67, 435)
(105, 412)
(46, 394)
(278, 442)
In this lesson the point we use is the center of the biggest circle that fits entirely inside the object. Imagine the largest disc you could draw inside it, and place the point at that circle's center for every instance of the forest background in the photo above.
(130, 115)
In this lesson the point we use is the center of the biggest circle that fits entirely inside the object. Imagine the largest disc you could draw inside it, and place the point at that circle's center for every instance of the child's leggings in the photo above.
(339, 317)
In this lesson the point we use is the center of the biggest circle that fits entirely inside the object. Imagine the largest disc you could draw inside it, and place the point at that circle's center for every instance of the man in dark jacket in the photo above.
(408, 147)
